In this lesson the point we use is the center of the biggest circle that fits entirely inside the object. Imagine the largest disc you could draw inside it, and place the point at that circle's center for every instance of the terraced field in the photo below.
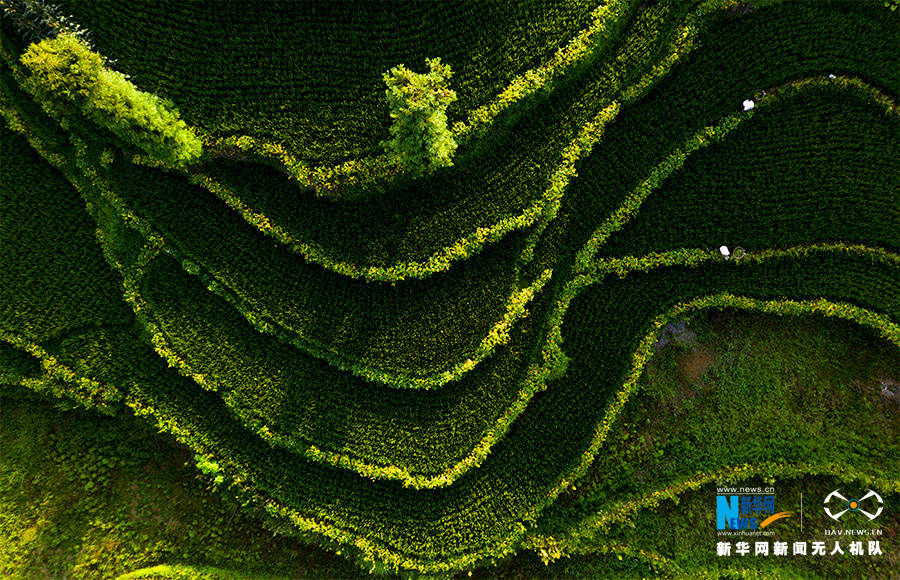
(419, 374)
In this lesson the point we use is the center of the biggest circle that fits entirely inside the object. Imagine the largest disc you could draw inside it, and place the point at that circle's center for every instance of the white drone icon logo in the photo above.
(853, 505)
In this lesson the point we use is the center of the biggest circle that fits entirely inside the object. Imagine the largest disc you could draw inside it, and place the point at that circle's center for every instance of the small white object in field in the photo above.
(749, 104)
(831, 76)
(724, 251)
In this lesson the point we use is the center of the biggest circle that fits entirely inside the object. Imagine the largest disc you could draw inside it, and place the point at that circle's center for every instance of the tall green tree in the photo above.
(420, 138)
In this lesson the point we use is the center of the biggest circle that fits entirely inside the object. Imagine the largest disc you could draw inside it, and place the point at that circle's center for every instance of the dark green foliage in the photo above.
(522, 468)
(310, 73)
(713, 82)
(16, 365)
(816, 168)
(269, 349)
(420, 138)
(53, 277)
(502, 180)
(801, 388)
(307, 402)
(416, 329)
(115, 496)
(66, 76)
(36, 20)
(768, 388)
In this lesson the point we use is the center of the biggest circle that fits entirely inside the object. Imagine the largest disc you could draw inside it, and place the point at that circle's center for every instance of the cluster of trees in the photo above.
(67, 78)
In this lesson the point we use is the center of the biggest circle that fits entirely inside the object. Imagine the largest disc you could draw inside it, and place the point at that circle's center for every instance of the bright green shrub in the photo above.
(67, 77)
(419, 136)
(63, 72)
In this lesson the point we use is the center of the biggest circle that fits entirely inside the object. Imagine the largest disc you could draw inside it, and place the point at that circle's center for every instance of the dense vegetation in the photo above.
(66, 78)
(428, 371)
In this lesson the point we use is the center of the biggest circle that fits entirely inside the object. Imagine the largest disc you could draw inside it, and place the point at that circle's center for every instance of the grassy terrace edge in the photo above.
(623, 266)
(551, 354)
(551, 545)
(540, 213)
(828, 308)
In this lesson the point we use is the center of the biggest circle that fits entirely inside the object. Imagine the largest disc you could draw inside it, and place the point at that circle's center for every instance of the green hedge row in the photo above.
(53, 277)
(416, 334)
(415, 228)
(524, 471)
(816, 166)
(733, 60)
(424, 439)
(309, 74)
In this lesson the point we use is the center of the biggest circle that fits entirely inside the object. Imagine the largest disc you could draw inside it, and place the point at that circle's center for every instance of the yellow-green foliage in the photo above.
(66, 77)
(260, 344)
(419, 136)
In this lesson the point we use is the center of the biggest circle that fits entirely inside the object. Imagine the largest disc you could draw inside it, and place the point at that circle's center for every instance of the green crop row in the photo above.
(179, 395)
(361, 334)
(824, 304)
(513, 466)
(818, 165)
(716, 76)
(450, 438)
(271, 215)
(578, 539)
(329, 336)
(607, 22)
(440, 261)
(509, 184)
(64, 382)
(309, 75)
(420, 334)
(53, 277)
(311, 408)
(186, 572)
